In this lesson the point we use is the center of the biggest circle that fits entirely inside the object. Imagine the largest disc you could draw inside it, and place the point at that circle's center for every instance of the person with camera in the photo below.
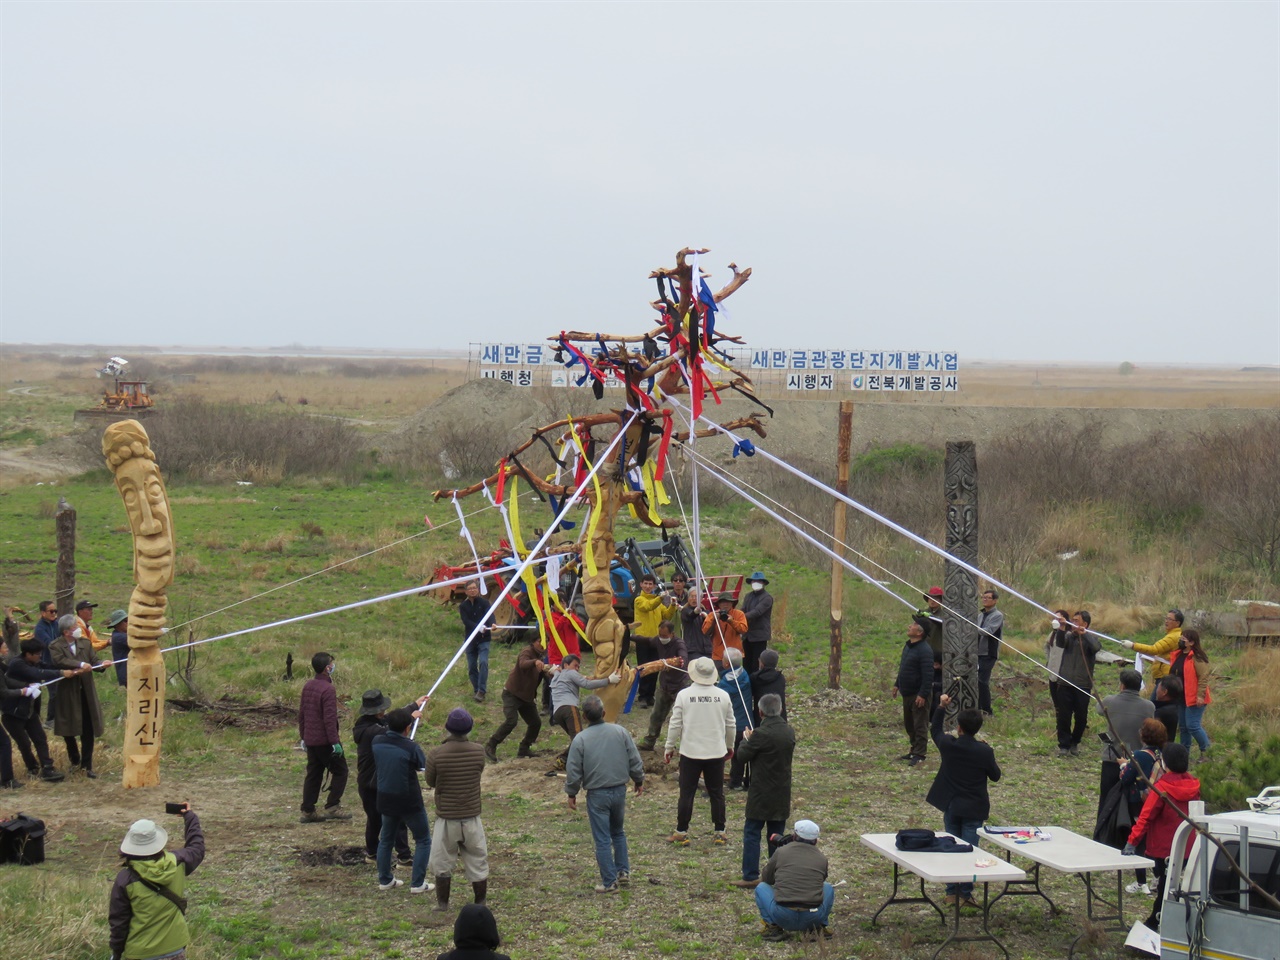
(725, 627)
(147, 912)
(793, 894)
(318, 729)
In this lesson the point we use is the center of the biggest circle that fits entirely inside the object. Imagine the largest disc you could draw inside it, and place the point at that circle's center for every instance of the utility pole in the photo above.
(837, 532)
(960, 636)
(65, 578)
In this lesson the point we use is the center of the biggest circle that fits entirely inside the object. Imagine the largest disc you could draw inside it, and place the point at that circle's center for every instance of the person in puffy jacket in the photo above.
(1158, 823)
(737, 684)
(148, 902)
(475, 934)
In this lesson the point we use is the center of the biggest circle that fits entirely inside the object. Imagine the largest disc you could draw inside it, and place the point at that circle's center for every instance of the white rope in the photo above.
(898, 528)
(515, 577)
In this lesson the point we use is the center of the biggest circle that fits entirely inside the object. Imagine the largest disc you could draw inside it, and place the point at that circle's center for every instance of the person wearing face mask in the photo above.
(318, 728)
(77, 713)
(757, 605)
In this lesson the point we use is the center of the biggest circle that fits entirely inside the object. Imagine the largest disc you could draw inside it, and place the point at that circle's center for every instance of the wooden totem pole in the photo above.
(127, 449)
(960, 636)
(689, 366)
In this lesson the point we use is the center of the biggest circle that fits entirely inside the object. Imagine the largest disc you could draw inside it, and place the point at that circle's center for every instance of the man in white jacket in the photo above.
(702, 725)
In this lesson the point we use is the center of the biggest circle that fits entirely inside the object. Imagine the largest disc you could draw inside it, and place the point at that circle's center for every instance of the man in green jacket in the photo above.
(768, 748)
(148, 903)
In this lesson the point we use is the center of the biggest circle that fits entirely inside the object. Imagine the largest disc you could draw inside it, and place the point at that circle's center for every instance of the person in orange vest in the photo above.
(84, 614)
(725, 627)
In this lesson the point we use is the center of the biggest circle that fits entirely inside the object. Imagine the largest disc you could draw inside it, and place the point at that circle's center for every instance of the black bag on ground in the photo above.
(22, 840)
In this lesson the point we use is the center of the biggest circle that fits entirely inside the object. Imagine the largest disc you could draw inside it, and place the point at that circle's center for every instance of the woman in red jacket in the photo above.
(1158, 822)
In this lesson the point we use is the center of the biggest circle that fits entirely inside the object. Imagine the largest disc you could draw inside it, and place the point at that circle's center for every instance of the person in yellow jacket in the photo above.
(84, 614)
(651, 609)
(1161, 649)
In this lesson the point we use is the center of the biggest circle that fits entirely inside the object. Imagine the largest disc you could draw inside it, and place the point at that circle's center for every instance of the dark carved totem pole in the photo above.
(959, 630)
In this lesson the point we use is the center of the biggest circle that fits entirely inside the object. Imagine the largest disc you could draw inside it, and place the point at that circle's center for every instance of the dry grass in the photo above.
(1254, 693)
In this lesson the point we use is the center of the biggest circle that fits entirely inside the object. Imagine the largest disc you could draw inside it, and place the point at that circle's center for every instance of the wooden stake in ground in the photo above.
(64, 590)
(837, 534)
(127, 449)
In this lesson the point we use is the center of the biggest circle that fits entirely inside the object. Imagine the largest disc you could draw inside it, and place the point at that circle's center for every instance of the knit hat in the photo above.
(459, 721)
(703, 671)
(806, 830)
(143, 839)
(769, 660)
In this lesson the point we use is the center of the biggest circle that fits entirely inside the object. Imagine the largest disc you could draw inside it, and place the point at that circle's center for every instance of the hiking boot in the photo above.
(915, 761)
(526, 752)
(395, 882)
(491, 752)
(719, 839)
(826, 932)
(478, 697)
(772, 933)
(647, 744)
(611, 888)
(426, 887)
(745, 884)
(1075, 750)
(313, 817)
(50, 775)
(624, 878)
(679, 838)
(1063, 752)
(336, 813)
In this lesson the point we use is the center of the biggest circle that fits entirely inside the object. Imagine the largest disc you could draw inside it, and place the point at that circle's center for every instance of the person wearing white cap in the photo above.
(793, 894)
(148, 906)
(703, 726)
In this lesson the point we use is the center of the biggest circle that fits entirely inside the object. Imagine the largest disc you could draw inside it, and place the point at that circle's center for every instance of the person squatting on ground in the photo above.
(990, 632)
(757, 607)
(601, 760)
(21, 716)
(77, 713)
(725, 626)
(1149, 762)
(651, 609)
(960, 787)
(1159, 651)
(768, 679)
(1127, 710)
(453, 770)
(671, 680)
(1075, 680)
(1157, 823)
(398, 761)
(914, 684)
(769, 749)
(147, 911)
(475, 935)
(702, 726)
(566, 684)
(369, 725)
(520, 701)
(793, 894)
(735, 682)
(472, 610)
(318, 728)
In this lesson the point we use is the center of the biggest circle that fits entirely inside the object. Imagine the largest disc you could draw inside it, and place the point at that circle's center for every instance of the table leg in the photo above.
(1033, 882)
(894, 898)
(986, 936)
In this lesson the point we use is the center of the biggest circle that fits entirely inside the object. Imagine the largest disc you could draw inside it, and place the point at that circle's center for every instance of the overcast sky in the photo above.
(1073, 181)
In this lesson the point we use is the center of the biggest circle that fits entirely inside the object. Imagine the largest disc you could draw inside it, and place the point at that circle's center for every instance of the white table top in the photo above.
(1068, 852)
(944, 867)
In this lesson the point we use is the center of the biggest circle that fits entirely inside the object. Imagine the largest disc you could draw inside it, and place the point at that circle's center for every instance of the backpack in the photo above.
(22, 840)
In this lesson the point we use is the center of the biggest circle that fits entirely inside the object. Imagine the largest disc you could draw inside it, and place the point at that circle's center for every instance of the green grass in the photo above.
(255, 897)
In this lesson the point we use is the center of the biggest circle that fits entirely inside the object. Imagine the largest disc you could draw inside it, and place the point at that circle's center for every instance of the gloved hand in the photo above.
(32, 691)
(1128, 643)
(337, 750)
(1129, 850)
(615, 677)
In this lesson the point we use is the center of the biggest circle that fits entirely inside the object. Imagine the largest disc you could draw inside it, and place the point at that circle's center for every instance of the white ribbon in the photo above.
(466, 534)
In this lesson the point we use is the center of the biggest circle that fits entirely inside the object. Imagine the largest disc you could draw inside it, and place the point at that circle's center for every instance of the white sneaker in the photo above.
(425, 888)
(1137, 887)
(395, 882)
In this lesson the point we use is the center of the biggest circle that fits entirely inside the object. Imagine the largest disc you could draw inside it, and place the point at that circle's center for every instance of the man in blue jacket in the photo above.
(398, 761)
(914, 685)
(472, 611)
(46, 632)
(735, 682)
(960, 788)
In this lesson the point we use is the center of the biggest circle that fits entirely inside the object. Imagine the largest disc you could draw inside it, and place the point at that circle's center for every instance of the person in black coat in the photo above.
(769, 749)
(914, 684)
(21, 715)
(768, 679)
(475, 934)
(960, 788)
(371, 723)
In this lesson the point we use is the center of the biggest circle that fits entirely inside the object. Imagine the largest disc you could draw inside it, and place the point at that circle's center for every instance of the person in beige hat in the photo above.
(148, 903)
(703, 727)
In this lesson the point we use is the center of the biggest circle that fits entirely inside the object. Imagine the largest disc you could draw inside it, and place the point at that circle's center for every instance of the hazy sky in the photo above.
(1075, 181)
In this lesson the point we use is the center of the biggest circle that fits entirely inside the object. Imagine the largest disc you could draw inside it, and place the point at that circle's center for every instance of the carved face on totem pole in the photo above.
(128, 451)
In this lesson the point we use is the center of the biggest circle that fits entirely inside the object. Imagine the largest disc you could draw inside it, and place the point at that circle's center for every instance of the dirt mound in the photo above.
(227, 711)
(332, 857)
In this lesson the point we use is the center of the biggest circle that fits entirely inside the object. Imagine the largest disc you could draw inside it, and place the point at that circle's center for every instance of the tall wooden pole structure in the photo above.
(64, 586)
(960, 636)
(837, 532)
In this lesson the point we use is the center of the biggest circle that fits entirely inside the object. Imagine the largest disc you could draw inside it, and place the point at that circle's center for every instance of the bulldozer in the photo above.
(128, 398)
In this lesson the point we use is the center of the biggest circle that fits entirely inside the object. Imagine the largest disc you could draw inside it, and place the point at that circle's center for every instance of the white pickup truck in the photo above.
(1208, 912)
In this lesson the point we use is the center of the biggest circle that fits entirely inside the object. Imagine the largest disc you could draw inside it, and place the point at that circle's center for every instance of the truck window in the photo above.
(1264, 862)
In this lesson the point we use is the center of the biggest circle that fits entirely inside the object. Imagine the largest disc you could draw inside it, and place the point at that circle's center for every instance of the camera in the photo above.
(781, 839)
(175, 808)
(723, 614)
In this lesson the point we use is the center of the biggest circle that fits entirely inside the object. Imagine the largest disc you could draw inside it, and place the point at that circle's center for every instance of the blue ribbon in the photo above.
(743, 445)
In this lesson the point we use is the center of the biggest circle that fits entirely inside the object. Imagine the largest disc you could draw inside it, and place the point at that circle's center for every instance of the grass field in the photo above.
(270, 887)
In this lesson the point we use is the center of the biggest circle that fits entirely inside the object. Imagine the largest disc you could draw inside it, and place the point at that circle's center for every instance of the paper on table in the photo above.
(1141, 937)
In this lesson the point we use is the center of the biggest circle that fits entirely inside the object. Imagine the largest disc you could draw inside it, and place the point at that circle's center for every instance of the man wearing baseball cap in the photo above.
(793, 894)
(148, 903)
(84, 614)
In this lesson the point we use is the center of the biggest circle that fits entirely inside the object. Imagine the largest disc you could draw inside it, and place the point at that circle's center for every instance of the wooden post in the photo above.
(837, 532)
(960, 636)
(64, 589)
